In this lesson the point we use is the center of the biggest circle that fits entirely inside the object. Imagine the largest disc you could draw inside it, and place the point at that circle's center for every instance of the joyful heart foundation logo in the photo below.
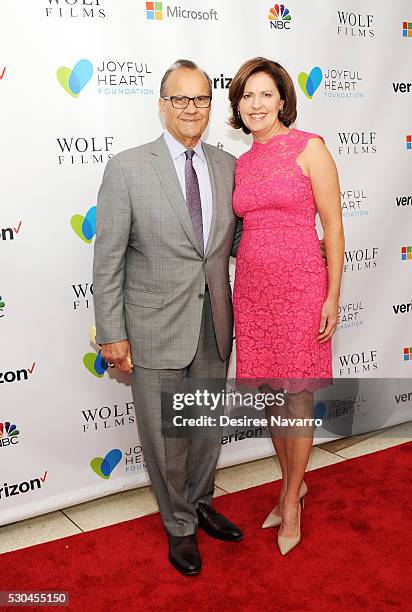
(310, 82)
(95, 364)
(104, 466)
(85, 227)
(76, 79)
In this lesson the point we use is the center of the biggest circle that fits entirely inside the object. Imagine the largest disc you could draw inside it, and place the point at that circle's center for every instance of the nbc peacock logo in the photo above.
(2, 305)
(280, 17)
(8, 434)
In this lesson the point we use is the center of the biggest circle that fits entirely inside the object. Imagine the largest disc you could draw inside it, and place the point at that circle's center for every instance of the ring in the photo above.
(111, 365)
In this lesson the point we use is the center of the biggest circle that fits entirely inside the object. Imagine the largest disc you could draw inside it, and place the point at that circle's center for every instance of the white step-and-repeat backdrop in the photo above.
(79, 81)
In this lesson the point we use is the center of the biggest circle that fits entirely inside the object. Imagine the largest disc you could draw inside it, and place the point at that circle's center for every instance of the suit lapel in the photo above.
(165, 169)
(213, 166)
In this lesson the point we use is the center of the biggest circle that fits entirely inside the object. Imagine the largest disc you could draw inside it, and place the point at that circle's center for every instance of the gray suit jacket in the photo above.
(148, 271)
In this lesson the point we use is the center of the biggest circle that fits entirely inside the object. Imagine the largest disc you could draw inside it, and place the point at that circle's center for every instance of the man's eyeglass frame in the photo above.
(181, 98)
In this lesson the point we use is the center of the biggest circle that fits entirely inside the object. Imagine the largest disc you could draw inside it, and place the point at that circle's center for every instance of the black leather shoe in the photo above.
(216, 525)
(184, 554)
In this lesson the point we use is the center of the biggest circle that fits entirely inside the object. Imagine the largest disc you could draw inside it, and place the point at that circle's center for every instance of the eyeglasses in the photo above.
(183, 101)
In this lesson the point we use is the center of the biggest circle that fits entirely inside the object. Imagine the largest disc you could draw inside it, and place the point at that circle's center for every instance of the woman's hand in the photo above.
(328, 320)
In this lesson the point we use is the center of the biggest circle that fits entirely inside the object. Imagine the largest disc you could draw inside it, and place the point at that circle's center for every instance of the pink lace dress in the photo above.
(281, 278)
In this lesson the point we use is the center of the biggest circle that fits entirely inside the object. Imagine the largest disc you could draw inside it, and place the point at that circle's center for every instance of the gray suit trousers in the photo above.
(182, 471)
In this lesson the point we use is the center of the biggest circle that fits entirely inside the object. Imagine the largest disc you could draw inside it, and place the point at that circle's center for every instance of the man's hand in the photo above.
(322, 249)
(119, 354)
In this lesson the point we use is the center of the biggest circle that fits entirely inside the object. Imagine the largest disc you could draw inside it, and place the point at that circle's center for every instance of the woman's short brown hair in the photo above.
(282, 81)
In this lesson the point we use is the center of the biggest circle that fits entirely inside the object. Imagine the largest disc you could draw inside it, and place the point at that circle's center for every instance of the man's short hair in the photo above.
(182, 63)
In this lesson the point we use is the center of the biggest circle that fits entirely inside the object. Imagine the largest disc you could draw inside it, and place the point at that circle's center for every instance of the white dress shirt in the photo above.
(177, 151)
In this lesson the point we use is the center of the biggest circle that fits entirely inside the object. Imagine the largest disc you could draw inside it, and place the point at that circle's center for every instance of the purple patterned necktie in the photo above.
(193, 197)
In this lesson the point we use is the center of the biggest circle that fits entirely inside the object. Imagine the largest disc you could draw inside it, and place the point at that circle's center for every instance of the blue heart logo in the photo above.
(73, 81)
(104, 466)
(310, 82)
(320, 409)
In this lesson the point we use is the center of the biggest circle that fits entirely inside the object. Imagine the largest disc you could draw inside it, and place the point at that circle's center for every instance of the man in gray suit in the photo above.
(165, 232)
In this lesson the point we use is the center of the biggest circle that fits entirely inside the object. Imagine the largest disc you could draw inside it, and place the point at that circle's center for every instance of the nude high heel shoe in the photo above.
(274, 519)
(286, 544)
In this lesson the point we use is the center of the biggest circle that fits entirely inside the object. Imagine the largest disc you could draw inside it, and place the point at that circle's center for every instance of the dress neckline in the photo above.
(275, 137)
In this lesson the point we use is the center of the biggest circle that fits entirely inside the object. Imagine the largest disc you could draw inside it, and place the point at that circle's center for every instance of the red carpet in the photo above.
(355, 553)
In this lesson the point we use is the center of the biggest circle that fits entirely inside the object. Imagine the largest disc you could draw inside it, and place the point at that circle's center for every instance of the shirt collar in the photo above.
(176, 148)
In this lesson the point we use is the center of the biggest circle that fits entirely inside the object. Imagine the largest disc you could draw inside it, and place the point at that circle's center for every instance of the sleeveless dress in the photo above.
(281, 277)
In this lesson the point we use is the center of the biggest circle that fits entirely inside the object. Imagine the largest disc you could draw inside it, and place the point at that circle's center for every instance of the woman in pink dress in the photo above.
(285, 298)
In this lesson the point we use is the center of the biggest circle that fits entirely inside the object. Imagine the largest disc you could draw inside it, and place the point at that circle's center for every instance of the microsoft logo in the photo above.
(154, 10)
(406, 253)
(407, 29)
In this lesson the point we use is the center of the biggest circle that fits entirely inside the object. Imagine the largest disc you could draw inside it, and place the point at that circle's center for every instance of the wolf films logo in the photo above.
(84, 150)
(83, 296)
(360, 259)
(355, 24)
(356, 143)
(75, 9)
(279, 17)
(354, 203)
(8, 434)
(353, 364)
(155, 11)
(108, 417)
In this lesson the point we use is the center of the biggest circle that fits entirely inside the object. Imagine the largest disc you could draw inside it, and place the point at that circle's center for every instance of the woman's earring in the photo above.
(238, 114)
(281, 110)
